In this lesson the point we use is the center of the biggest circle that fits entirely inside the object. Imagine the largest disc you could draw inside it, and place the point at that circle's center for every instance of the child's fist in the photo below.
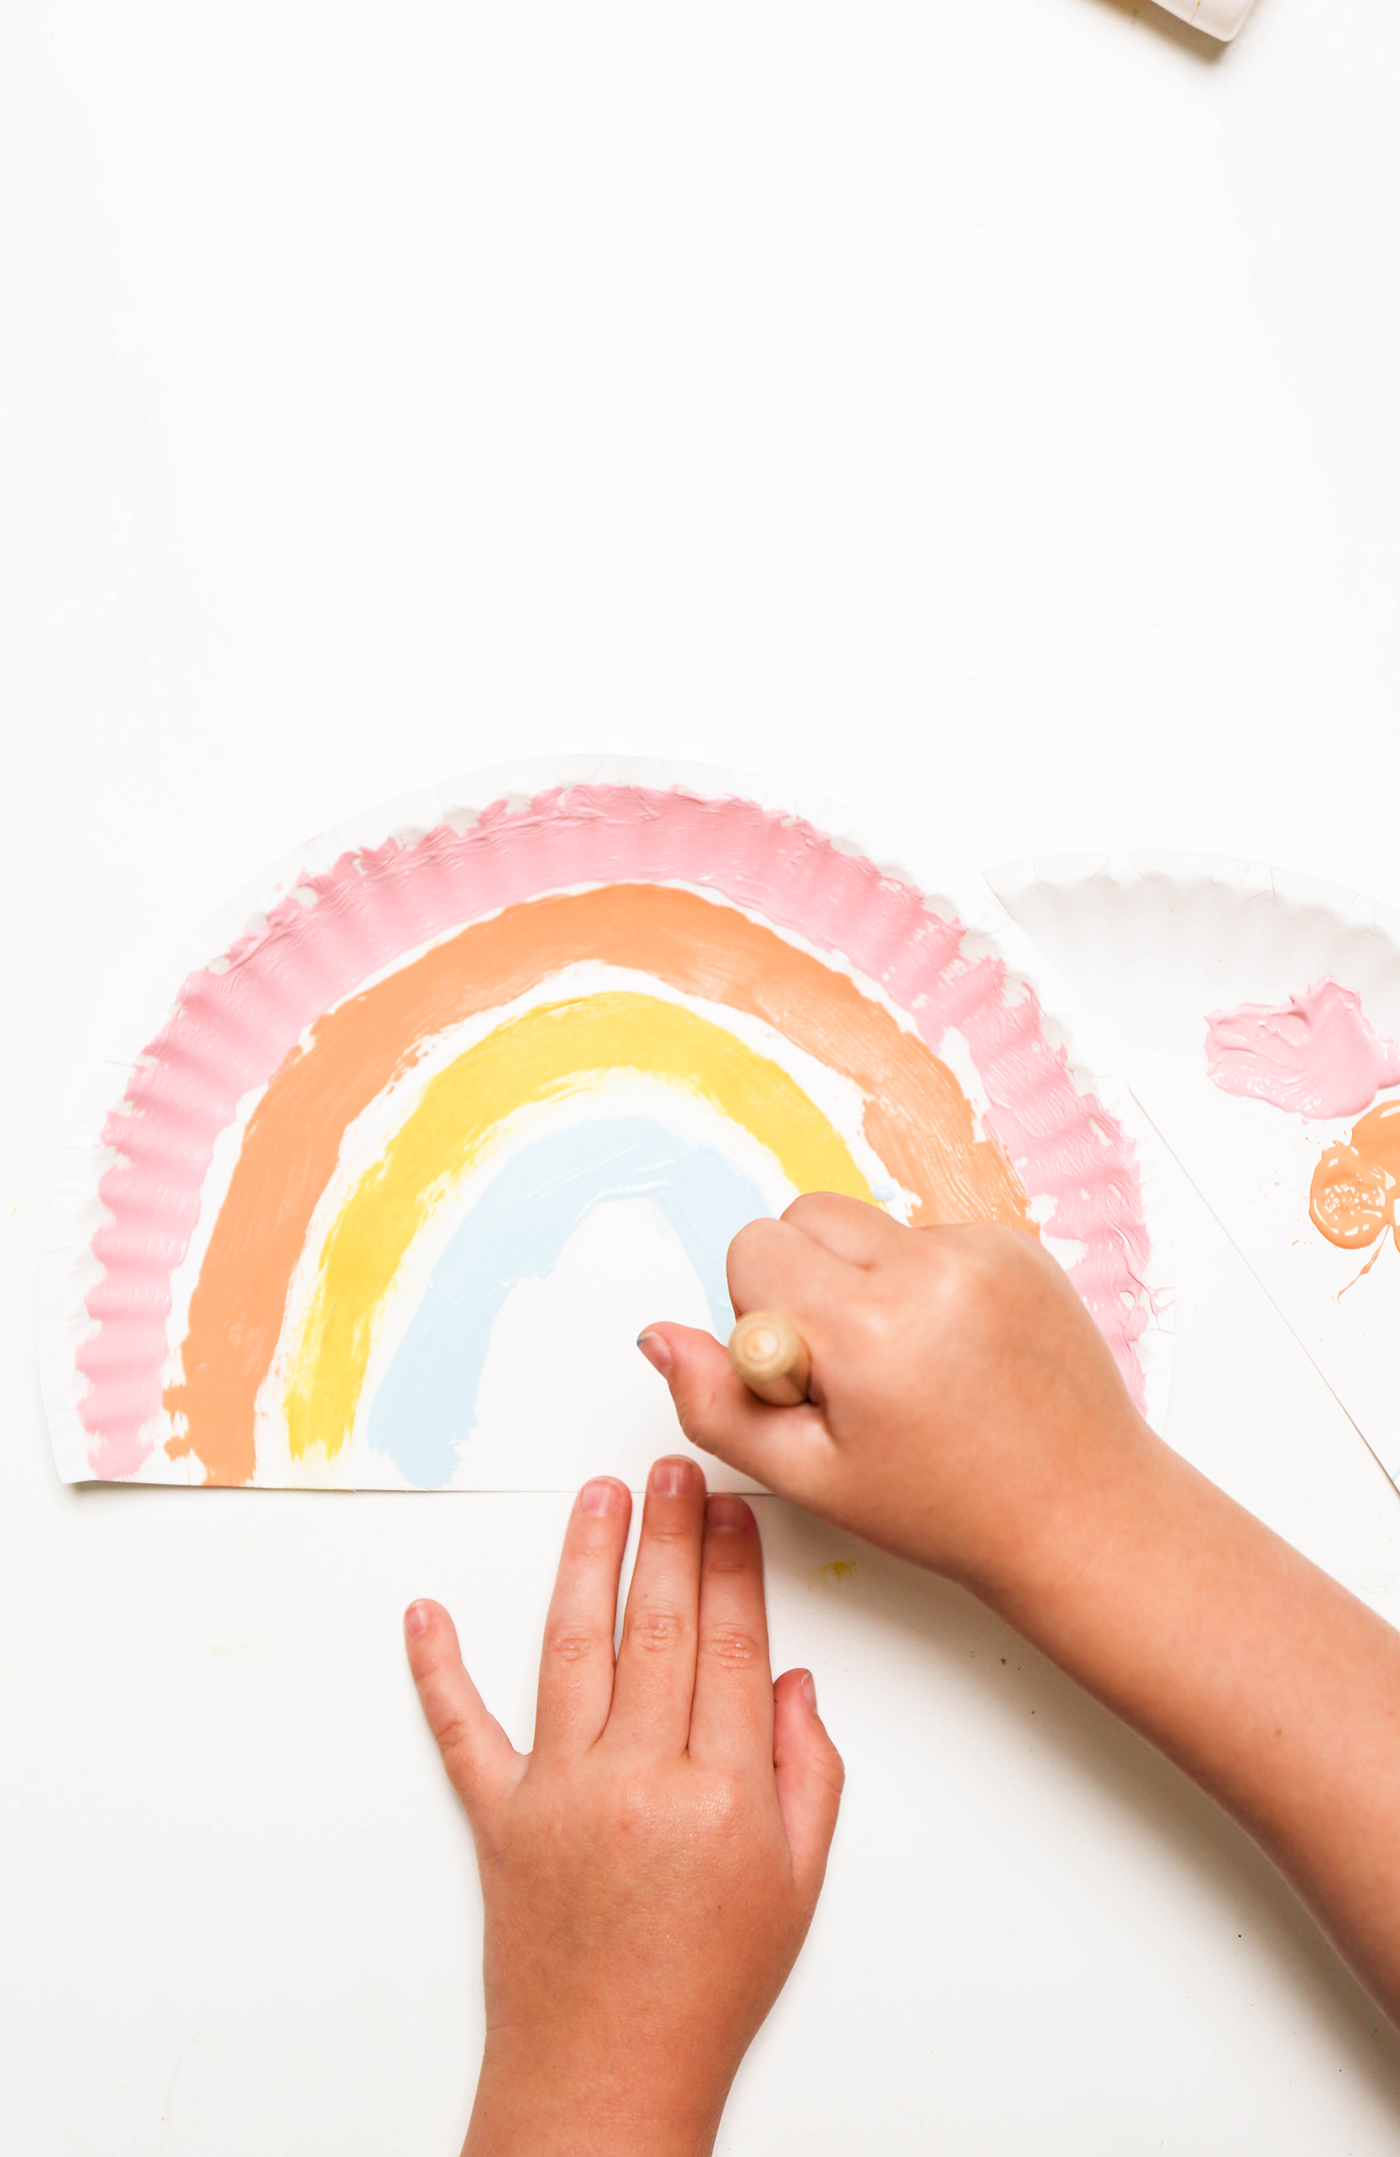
(963, 1402)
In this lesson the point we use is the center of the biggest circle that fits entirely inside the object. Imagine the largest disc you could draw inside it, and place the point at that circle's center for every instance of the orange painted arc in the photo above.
(917, 1119)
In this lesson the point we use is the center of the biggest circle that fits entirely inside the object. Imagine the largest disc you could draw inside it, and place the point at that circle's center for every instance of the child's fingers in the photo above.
(576, 1662)
(785, 1448)
(810, 1776)
(774, 1266)
(731, 1718)
(479, 1758)
(655, 1679)
(851, 1229)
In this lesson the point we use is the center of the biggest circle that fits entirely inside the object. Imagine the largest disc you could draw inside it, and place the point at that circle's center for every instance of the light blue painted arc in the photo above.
(425, 1406)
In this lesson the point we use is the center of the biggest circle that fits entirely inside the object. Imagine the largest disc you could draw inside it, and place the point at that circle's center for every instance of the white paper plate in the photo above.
(1218, 18)
(214, 1052)
(1157, 941)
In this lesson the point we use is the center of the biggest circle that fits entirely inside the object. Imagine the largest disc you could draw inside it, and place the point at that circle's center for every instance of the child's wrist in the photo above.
(586, 2100)
(1123, 1565)
(1077, 1523)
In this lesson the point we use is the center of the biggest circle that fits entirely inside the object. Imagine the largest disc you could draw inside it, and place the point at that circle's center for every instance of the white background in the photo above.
(990, 422)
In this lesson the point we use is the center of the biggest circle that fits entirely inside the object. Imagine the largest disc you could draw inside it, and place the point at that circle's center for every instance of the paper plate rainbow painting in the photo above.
(439, 1056)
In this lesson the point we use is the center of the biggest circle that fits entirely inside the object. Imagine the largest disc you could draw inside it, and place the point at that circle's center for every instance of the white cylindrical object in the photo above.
(1218, 18)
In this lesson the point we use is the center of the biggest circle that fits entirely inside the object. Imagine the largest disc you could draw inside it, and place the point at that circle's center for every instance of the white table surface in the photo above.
(991, 422)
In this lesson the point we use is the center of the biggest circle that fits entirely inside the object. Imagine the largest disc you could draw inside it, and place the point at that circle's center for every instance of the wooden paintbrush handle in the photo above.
(771, 1357)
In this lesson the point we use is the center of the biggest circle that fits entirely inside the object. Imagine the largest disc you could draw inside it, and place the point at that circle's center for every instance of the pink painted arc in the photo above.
(234, 1025)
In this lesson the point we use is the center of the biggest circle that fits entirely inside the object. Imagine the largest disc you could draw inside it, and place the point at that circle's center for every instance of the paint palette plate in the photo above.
(1158, 941)
(412, 1139)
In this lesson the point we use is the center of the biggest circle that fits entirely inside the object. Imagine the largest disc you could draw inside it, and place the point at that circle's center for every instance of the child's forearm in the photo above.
(1267, 1682)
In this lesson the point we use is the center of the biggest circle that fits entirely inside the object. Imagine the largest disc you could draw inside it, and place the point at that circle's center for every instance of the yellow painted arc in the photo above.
(547, 1054)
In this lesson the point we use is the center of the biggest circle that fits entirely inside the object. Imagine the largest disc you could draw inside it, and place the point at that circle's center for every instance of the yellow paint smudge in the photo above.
(833, 1574)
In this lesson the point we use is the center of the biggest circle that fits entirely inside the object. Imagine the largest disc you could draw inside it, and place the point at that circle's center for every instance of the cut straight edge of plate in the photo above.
(1391, 1473)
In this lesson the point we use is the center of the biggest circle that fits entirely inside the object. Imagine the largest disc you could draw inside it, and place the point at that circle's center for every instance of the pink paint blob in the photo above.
(236, 1021)
(1317, 1055)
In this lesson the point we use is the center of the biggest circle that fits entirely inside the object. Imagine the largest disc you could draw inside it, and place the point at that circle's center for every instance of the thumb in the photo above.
(482, 1764)
(780, 1447)
(810, 1776)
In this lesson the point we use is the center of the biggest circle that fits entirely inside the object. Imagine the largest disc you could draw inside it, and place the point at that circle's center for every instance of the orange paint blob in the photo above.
(1355, 1188)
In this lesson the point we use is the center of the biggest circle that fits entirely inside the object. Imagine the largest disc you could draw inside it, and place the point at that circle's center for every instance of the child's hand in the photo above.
(962, 1397)
(967, 1413)
(649, 1871)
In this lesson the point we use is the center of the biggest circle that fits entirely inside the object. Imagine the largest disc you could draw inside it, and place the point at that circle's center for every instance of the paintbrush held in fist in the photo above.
(934, 1355)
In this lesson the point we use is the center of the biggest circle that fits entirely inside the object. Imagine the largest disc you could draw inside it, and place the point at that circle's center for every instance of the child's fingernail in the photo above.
(598, 1497)
(809, 1690)
(727, 1515)
(415, 1620)
(670, 1477)
(657, 1352)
